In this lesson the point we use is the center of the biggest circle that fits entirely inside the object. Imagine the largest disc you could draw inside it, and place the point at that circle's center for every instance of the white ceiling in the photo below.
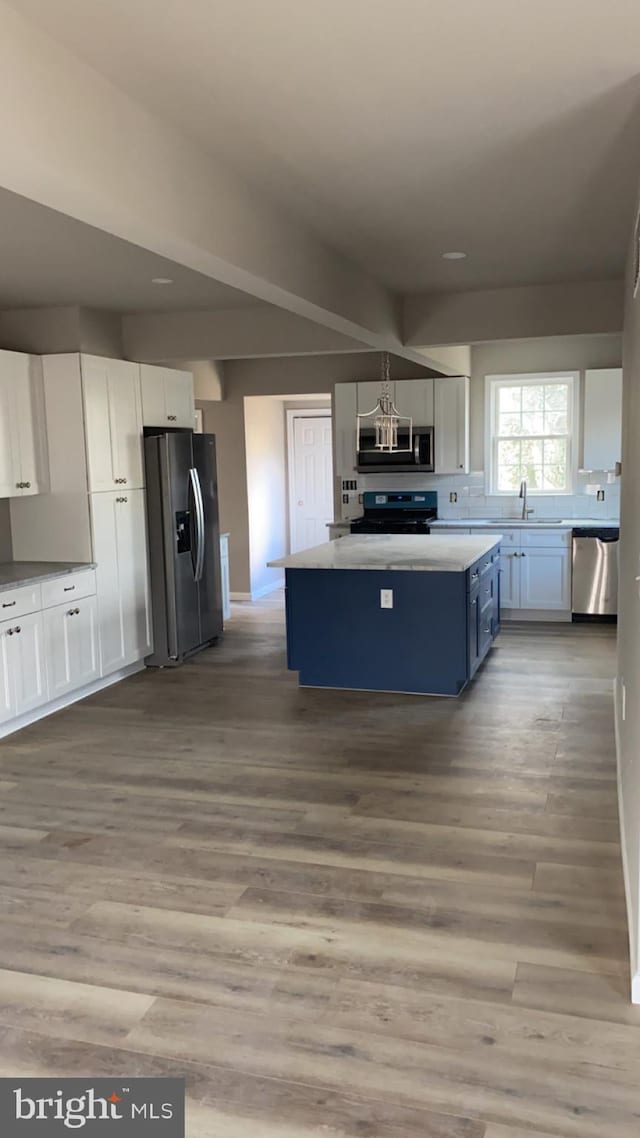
(47, 258)
(402, 128)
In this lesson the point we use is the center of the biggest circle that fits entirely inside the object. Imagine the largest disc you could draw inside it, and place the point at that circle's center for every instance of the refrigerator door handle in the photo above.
(199, 506)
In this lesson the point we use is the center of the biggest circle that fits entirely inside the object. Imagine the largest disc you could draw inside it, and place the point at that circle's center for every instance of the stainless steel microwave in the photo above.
(405, 460)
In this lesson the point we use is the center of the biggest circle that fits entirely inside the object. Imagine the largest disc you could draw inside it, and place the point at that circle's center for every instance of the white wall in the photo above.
(628, 729)
(265, 445)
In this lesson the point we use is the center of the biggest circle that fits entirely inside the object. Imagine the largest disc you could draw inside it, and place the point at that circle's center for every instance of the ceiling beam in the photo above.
(235, 333)
(580, 308)
(73, 141)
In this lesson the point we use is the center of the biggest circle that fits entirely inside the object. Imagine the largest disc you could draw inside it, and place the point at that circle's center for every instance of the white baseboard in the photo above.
(547, 615)
(272, 587)
(258, 593)
(46, 709)
(631, 915)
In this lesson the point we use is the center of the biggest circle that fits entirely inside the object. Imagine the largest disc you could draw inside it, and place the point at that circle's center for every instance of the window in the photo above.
(531, 420)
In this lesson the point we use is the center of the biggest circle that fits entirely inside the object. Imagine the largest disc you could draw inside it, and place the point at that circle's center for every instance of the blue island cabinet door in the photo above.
(474, 633)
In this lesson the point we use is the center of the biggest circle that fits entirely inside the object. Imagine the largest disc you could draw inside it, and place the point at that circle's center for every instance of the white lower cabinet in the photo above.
(23, 679)
(545, 579)
(119, 528)
(509, 578)
(71, 638)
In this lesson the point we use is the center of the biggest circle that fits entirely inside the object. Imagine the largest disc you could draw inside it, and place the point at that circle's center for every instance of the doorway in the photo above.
(310, 475)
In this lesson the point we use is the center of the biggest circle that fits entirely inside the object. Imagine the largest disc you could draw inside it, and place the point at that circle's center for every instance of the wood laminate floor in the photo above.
(335, 913)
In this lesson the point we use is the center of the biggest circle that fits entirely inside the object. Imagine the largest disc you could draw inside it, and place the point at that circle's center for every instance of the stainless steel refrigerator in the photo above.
(184, 544)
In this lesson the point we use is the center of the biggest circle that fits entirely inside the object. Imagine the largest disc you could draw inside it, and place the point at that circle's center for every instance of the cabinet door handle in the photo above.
(70, 612)
(9, 632)
(26, 485)
(19, 485)
(486, 630)
(523, 555)
(8, 604)
(172, 418)
(17, 628)
(122, 499)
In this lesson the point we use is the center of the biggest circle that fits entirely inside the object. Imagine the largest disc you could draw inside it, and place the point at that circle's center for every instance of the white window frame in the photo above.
(492, 385)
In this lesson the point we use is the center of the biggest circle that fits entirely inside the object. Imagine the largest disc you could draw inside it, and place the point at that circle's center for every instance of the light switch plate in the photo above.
(386, 598)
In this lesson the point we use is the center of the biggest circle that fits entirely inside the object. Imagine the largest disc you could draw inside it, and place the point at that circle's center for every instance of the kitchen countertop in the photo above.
(531, 523)
(16, 573)
(419, 552)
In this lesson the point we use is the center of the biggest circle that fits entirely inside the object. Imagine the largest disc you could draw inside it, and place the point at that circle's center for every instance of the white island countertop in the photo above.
(451, 553)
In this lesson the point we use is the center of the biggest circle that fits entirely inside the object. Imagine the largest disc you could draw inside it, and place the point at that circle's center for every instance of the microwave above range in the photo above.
(407, 459)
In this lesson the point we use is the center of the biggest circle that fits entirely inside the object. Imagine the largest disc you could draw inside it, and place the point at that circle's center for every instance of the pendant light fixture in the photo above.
(386, 417)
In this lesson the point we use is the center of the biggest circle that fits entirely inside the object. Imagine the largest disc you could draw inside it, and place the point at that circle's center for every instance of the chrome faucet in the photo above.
(523, 495)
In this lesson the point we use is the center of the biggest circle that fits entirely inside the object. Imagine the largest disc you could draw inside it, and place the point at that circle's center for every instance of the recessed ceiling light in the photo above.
(454, 256)
(161, 280)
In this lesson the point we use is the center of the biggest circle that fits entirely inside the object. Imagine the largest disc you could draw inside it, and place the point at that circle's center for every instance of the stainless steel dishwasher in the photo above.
(594, 591)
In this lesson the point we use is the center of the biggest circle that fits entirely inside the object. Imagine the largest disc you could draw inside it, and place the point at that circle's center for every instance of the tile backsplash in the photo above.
(472, 502)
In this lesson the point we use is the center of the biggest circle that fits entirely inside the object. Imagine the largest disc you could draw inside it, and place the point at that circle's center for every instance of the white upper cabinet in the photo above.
(451, 425)
(23, 451)
(602, 418)
(167, 397)
(113, 423)
(414, 397)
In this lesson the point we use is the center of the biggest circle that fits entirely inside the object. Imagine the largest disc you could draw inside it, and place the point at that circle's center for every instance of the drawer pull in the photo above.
(69, 588)
(8, 604)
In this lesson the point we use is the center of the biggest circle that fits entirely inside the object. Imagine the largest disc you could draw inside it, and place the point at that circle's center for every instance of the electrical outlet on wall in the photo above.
(600, 496)
(453, 497)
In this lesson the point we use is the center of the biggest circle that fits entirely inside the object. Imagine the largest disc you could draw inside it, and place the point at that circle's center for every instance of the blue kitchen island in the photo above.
(392, 612)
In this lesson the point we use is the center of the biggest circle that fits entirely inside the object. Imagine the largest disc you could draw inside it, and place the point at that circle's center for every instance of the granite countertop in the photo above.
(424, 553)
(519, 523)
(16, 573)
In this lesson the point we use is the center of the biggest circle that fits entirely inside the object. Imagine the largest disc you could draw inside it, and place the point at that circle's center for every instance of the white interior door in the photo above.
(310, 486)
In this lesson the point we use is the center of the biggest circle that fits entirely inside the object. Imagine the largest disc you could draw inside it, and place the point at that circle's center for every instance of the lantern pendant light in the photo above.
(386, 417)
